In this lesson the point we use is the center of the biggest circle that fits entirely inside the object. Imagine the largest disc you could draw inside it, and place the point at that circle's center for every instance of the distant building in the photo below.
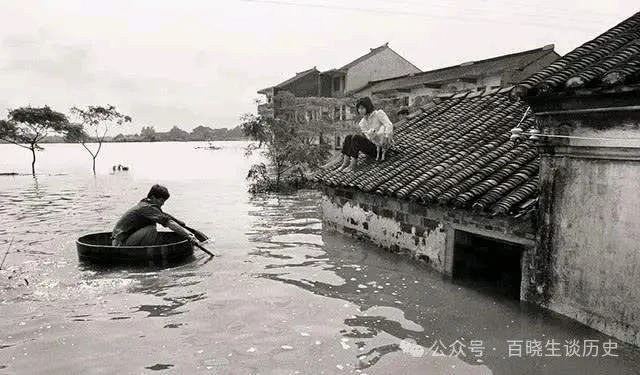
(495, 72)
(313, 88)
(379, 63)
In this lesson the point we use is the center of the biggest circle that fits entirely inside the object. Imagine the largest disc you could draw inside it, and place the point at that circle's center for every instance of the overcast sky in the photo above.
(200, 62)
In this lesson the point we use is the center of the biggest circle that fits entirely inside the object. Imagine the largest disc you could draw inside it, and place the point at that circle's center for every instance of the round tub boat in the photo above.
(96, 248)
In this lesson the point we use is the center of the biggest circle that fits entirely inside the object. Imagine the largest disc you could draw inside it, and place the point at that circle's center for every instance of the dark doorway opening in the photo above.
(487, 264)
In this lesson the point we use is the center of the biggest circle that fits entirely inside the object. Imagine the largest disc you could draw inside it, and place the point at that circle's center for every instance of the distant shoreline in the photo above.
(141, 141)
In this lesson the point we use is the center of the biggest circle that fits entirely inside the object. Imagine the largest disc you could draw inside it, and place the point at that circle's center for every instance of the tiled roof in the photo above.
(290, 80)
(611, 60)
(455, 152)
(511, 62)
(372, 51)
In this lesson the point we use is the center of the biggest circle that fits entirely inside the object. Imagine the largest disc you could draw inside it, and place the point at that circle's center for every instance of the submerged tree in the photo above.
(93, 125)
(27, 126)
(288, 149)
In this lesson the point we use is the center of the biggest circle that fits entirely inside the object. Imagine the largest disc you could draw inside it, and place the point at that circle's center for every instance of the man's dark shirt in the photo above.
(141, 215)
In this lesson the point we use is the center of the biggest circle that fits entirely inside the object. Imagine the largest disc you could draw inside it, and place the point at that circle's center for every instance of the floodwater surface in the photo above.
(283, 296)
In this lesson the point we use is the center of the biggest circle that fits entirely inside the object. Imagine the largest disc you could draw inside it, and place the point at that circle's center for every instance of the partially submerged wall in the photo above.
(590, 227)
(425, 233)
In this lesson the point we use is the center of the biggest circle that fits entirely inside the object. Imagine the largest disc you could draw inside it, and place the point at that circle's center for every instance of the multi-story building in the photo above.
(501, 71)
(321, 94)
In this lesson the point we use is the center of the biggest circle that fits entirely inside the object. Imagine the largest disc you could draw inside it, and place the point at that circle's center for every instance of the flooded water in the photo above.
(284, 296)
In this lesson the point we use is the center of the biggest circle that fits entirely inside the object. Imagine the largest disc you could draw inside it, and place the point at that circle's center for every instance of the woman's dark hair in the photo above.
(366, 103)
(158, 191)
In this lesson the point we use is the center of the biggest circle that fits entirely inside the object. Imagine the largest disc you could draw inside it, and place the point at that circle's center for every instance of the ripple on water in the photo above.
(299, 239)
(314, 296)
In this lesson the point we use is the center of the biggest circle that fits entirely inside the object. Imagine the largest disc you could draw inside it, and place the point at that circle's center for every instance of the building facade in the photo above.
(532, 188)
(314, 89)
(496, 72)
(587, 107)
(456, 192)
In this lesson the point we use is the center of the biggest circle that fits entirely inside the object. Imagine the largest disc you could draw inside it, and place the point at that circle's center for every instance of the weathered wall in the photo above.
(595, 242)
(425, 233)
(490, 80)
(423, 239)
(588, 260)
(382, 65)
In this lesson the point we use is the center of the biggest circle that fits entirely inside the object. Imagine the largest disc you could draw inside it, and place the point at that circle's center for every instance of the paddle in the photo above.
(199, 235)
(203, 249)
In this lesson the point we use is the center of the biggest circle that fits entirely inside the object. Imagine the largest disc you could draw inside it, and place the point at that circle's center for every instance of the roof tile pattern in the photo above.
(515, 62)
(610, 60)
(455, 152)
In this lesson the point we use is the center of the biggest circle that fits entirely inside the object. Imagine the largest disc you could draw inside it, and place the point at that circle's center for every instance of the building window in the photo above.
(336, 83)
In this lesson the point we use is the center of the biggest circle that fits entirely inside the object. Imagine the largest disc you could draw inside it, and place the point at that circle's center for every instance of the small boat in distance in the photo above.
(209, 146)
(96, 249)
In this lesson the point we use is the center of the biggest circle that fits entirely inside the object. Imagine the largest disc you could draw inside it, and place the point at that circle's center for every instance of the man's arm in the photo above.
(171, 224)
(181, 223)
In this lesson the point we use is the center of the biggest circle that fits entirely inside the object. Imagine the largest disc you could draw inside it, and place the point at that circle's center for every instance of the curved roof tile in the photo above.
(455, 152)
(611, 59)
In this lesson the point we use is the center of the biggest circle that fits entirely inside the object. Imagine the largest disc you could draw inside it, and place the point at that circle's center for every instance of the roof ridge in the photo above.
(372, 51)
(582, 58)
(289, 80)
(539, 57)
(545, 48)
(466, 94)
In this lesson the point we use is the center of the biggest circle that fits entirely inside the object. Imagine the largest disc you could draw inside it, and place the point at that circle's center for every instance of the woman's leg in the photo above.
(346, 145)
(334, 162)
(359, 143)
(340, 159)
(346, 149)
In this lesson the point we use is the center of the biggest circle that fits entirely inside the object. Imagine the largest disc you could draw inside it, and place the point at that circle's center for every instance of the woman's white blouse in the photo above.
(376, 122)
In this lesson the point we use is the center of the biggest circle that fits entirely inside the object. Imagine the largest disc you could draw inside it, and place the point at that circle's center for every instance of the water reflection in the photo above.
(397, 299)
(166, 286)
(289, 230)
(38, 211)
(284, 295)
(171, 306)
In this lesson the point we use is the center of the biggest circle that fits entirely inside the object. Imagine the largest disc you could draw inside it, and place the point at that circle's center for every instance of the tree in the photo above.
(148, 133)
(27, 126)
(295, 111)
(95, 120)
(202, 133)
(178, 134)
(287, 149)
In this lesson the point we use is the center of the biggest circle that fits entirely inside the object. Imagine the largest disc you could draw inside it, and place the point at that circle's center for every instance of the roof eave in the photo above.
(266, 91)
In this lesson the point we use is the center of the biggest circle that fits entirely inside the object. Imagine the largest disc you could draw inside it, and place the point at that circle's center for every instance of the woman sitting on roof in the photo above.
(377, 133)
